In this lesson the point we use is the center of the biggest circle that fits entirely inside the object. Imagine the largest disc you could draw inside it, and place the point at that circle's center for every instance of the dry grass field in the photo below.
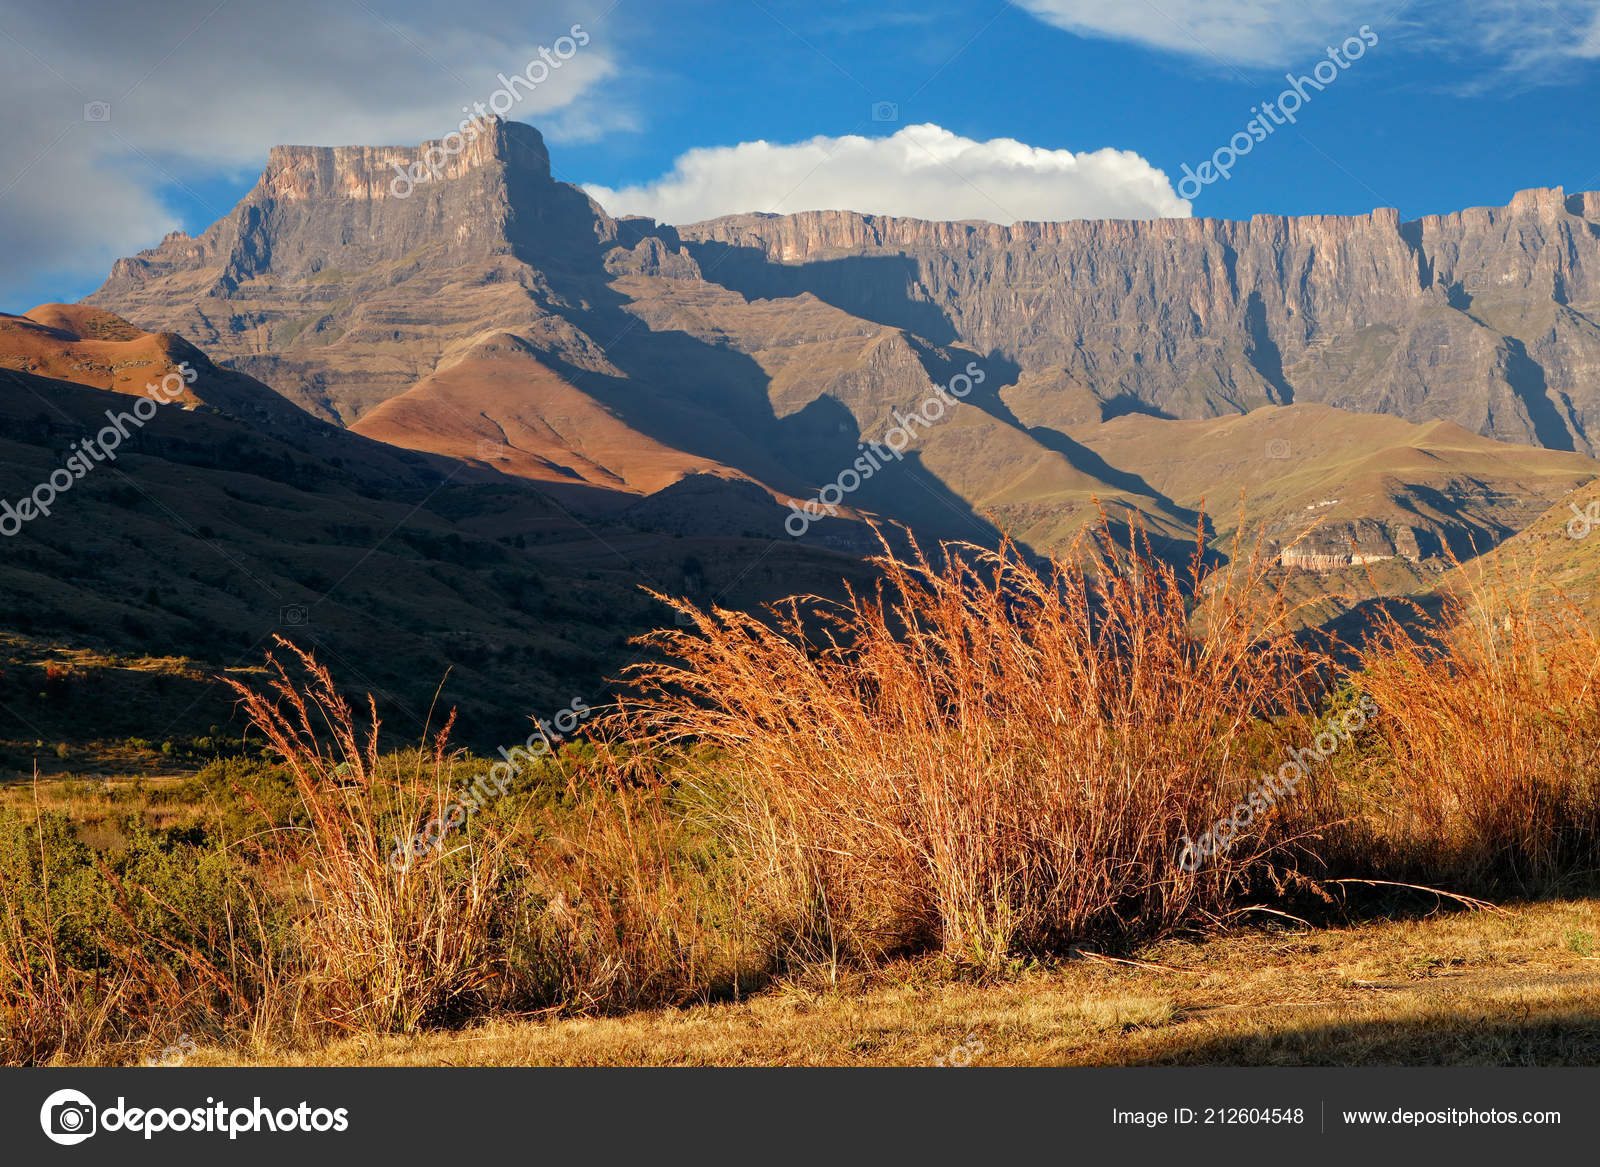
(1519, 986)
(989, 813)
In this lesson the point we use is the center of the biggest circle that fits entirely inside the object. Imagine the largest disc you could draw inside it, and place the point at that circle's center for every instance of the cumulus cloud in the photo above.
(195, 88)
(922, 172)
(1520, 37)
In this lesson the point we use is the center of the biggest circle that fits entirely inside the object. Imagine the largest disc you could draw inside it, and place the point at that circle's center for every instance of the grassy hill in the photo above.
(1555, 560)
(208, 533)
(1371, 484)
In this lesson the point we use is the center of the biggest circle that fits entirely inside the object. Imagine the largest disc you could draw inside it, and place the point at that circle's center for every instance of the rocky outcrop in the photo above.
(1326, 560)
(1356, 543)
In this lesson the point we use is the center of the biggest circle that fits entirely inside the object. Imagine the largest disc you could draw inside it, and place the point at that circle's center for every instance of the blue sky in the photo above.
(1397, 129)
(1458, 104)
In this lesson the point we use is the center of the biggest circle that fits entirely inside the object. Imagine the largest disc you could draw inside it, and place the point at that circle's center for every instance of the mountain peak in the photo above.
(465, 198)
(376, 172)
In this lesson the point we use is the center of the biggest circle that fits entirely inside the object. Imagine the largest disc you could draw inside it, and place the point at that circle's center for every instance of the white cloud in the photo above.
(1526, 38)
(923, 172)
(1233, 32)
(1531, 36)
(67, 214)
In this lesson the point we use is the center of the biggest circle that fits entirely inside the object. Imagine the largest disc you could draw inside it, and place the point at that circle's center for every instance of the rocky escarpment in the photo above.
(1486, 317)
(484, 310)
(1354, 543)
(341, 282)
(320, 210)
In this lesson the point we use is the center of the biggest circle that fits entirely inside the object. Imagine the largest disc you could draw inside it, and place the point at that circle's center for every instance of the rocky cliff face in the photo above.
(320, 210)
(1487, 317)
(341, 281)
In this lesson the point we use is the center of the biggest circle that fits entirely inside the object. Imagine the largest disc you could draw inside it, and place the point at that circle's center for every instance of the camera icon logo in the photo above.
(294, 615)
(68, 1117)
(885, 111)
(1279, 448)
(97, 111)
(491, 451)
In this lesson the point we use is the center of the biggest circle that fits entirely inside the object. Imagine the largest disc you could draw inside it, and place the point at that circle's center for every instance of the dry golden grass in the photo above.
(381, 948)
(590, 898)
(984, 756)
(1463, 988)
(1488, 775)
(97, 801)
(882, 806)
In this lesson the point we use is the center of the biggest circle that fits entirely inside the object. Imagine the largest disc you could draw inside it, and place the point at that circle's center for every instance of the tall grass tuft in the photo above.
(381, 946)
(1488, 775)
(986, 755)
(582, 888)
(626, 899)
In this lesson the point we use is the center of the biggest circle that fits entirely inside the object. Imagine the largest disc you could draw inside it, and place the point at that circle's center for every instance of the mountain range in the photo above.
(477, 411)
(499, 316)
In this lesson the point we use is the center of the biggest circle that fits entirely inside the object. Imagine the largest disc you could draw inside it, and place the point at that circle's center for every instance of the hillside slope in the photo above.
(205, 530)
